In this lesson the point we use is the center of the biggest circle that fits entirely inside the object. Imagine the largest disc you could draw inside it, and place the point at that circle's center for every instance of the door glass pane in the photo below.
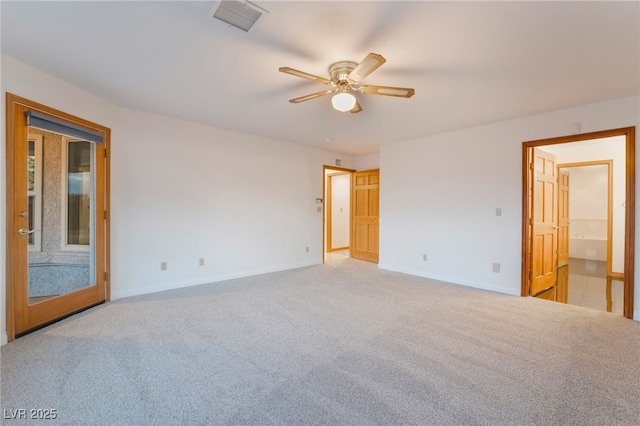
(61, 212)
(78, 193)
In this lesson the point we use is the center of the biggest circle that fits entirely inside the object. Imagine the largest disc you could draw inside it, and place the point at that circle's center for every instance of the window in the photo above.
(77, 193)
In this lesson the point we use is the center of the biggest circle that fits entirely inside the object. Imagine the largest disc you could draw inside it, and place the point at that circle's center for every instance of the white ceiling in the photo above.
(470, 62)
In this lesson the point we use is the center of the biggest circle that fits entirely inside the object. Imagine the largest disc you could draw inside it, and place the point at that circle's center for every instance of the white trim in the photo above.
(448, 280)
(3, 338)
(172, 286)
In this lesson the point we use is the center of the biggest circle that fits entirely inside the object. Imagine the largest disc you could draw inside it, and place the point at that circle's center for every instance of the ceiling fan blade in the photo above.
(356, 108)
(401, 92)
(309, 97)
(303, 74)
(372, 62)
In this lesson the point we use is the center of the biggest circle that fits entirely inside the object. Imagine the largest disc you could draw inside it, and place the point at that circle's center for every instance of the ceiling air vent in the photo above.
(240, 14)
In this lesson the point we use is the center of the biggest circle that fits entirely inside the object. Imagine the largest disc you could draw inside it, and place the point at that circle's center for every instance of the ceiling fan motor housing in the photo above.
(340, 71)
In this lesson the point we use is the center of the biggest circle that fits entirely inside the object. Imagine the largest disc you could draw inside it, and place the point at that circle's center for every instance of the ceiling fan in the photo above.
(346, 77)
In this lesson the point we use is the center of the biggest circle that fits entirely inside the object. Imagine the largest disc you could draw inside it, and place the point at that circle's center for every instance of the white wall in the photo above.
(367, 161)
(588, 194)
(181, 191)
(439, 196)
(588, 214)
(612, 148)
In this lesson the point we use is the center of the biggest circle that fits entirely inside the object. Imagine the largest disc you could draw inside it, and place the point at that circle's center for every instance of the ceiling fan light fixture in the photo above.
(343, 102)
(346, 77)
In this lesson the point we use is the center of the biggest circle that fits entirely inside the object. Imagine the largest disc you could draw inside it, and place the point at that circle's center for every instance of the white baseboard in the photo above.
(207, 280)
(3, 338)
(450, 280)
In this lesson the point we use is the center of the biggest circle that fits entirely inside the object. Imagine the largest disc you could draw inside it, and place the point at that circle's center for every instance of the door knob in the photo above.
(25, 231)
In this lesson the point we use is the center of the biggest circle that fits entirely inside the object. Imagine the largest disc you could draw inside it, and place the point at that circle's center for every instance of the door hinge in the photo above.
(105, 153)
(105, 215)
(106, 276)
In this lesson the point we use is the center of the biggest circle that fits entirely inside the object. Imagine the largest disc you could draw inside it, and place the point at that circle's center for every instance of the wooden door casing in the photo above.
(563, 218)
(365, 215)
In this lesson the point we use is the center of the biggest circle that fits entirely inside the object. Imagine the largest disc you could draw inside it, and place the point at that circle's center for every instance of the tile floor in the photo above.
(336, 255)
(588, 286)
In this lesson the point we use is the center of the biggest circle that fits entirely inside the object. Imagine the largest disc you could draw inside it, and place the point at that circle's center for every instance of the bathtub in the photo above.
(585, 247)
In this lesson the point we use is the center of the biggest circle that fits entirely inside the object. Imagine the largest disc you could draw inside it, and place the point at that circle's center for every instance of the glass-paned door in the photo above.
(57, 228)
(61, 188)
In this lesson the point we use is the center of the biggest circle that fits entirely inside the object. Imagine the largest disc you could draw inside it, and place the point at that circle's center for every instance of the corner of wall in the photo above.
(367, 161)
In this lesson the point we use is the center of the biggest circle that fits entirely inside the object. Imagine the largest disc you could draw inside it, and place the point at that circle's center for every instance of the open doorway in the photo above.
(548, 262)
(337, 213)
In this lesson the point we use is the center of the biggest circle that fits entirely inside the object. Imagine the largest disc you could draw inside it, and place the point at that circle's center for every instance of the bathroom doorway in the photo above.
(547, 263)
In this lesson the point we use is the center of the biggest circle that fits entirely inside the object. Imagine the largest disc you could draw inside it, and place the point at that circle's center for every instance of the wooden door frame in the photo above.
(609, 164)
(629, 241)
(325, 226)
(13, 102)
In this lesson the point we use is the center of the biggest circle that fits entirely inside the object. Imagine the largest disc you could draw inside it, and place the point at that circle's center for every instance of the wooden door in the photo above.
(544, 229)
(563, 218)
(365, 215)
(57, 189)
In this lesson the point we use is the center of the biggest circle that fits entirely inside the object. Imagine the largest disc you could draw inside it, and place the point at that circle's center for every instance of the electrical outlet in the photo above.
(163, 266)
(201, 261)
(424, 257)
(496, 268)
(498, 211)
(307, 249)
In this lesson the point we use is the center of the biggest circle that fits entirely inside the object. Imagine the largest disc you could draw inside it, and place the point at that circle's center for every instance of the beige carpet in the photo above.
(334, 344)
